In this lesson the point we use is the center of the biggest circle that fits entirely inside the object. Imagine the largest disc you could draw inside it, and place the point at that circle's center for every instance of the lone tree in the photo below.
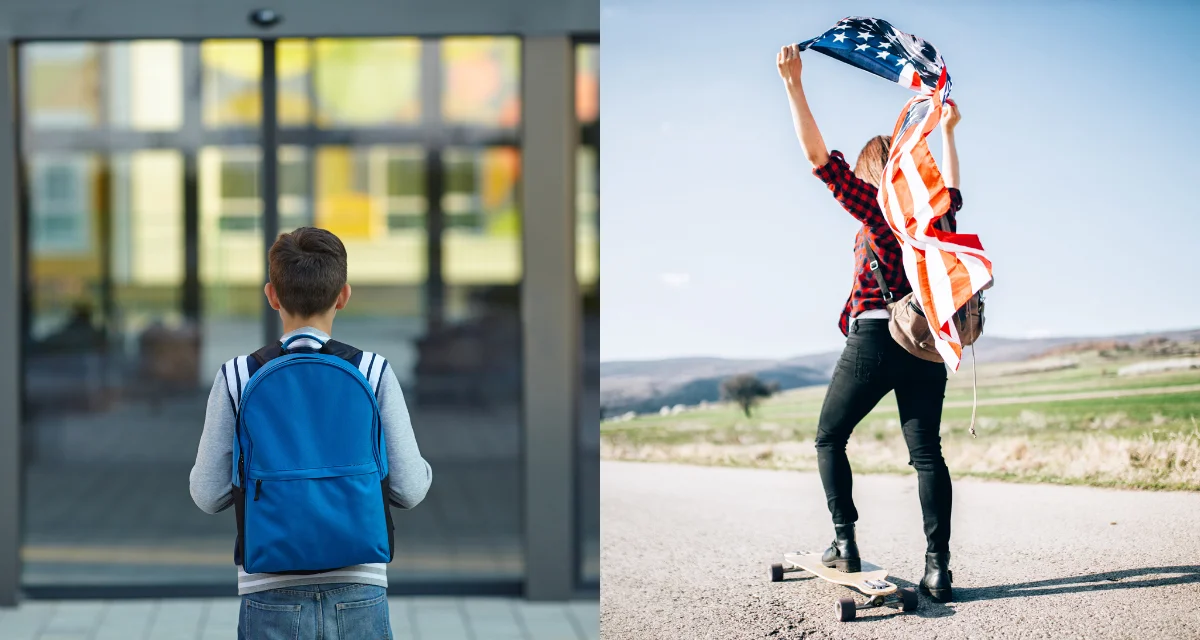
(745, 389)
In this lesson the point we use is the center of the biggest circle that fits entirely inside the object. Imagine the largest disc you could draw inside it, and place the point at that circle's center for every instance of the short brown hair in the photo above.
(308, 270)
(871, 159)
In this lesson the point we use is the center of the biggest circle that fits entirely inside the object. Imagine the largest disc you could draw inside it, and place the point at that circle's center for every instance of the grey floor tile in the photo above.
(548, 621)
(587, 616)
(222, 613)
(438, 618)
(74, 617)
(398, 609)
(493, 619)
(126, 620)
(27, 621)
(220, 620)
(419, 618)
(177, 619)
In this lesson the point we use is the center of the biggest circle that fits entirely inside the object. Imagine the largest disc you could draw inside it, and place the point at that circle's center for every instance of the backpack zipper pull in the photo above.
(257, 489)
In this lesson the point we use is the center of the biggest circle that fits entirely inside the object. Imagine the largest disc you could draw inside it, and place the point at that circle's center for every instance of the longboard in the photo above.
(870, 582)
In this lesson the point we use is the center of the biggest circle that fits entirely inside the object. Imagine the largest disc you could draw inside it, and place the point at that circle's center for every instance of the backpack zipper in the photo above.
(257, 490)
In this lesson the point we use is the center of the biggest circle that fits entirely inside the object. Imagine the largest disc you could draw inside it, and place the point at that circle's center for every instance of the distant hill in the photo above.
(647, 386)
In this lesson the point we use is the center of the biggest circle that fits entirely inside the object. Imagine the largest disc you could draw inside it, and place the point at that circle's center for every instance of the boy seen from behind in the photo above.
(310, 440)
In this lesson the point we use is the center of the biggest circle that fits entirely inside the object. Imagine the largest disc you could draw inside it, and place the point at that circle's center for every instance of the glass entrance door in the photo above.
(144, 254)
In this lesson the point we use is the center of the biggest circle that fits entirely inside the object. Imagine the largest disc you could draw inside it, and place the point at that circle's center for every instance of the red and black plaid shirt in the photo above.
(858, 197)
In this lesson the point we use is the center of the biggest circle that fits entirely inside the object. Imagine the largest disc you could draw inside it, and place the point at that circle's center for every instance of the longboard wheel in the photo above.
(777, 572)
(908, 599)
(846, 609)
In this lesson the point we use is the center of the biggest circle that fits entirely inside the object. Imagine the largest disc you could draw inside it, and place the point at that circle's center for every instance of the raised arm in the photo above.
(950, 118)
(789, 65)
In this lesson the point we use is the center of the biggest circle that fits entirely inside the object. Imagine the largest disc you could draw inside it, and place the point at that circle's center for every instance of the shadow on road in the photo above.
(1108, 580)
(1105, 581)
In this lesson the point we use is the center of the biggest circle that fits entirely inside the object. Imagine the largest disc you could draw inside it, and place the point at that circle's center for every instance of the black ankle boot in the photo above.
(842, 554)
(936, 583)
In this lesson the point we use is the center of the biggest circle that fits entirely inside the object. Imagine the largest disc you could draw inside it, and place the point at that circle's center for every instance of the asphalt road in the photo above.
(685, 551)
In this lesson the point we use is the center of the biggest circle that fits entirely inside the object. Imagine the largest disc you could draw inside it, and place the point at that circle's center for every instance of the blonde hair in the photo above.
(874, 155)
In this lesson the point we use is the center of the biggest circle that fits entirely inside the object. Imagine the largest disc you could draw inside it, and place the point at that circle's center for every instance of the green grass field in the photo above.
(1036, 429)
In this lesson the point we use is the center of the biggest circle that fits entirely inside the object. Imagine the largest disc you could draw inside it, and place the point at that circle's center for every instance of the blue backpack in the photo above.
(310, 482)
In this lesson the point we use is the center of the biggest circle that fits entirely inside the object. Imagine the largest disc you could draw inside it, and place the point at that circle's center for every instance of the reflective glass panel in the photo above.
(587, 261)
(367, 82)
(232, 75)
(483, 220)
(480, 81)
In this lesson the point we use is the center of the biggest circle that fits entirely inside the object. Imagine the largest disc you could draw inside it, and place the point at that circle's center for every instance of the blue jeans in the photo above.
(316, 612)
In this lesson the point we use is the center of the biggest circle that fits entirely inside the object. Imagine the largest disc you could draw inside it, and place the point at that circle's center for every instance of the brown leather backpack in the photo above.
(909, 326)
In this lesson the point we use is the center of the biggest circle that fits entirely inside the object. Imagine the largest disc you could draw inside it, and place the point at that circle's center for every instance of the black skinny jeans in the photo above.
(872, 365)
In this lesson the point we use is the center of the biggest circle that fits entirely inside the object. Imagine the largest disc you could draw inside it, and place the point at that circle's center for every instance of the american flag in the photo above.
(945, 269)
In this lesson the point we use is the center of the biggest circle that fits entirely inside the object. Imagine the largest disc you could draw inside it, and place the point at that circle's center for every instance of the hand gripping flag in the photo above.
(945, 269)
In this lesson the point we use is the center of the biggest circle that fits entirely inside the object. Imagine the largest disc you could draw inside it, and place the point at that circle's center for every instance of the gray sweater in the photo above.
(211, 478)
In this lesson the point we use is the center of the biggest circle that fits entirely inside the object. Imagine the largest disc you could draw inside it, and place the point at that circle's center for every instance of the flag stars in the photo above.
(900, 61)
(861, 47)
(839, 37)
(864, 35)
(882, 54)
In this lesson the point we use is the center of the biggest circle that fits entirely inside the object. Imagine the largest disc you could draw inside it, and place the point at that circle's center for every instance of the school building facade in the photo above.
(150, 152)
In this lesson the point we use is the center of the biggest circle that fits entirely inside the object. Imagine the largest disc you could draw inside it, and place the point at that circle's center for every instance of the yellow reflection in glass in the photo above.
(61, 84)
(587, 211)
(501, 169)
(373, 199)
(344, 204)
(292, 63)
(155, 206)
(364, 82)
(482, 240)
(232, 70)
(481, 80)
(587, 83)
(231, 266)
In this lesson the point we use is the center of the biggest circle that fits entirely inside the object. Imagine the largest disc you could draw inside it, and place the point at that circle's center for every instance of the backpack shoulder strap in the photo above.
(236, 372)
(371, 365)
(877, 269)
(267, 354)
(341, 350)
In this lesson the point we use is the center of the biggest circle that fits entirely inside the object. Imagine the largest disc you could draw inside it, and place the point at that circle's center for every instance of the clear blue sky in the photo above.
(1080, 159)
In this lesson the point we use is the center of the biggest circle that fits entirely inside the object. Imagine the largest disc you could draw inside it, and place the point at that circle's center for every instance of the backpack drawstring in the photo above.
(974, 389)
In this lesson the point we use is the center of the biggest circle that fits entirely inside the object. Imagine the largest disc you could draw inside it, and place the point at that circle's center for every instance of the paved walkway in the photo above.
(420, 618)
(686, 550)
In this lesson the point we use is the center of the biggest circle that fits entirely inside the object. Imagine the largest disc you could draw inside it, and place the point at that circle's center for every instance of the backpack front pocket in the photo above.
(310, 520)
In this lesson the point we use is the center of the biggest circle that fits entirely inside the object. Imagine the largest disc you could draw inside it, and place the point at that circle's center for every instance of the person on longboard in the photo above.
(872, 363)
